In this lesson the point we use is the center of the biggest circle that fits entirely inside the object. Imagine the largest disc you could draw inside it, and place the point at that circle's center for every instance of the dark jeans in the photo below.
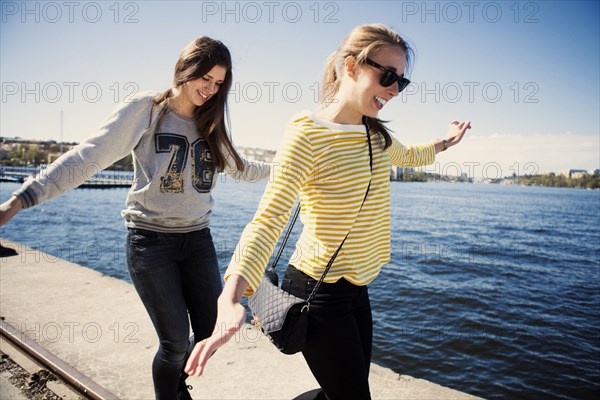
(175, 274)
(340, 334)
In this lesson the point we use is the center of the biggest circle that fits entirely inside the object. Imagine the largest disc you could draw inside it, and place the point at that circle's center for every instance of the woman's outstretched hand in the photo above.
(456, 131)
(231, 315)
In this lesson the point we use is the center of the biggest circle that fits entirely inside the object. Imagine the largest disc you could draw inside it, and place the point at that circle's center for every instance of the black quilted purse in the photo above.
(281, 316)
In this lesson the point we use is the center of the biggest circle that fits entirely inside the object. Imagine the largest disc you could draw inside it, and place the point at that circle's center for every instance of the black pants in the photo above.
(175, 274)
(340, 334)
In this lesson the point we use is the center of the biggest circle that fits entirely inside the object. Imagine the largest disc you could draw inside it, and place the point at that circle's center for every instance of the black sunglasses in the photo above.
(389, 76)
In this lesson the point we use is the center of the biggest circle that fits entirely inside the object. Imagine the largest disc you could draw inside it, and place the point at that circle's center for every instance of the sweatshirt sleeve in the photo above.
(253, 171)
(411, 156)
(113, 140)
(293, 164)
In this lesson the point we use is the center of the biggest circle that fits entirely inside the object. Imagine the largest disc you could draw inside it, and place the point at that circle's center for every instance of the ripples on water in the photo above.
(492, 290)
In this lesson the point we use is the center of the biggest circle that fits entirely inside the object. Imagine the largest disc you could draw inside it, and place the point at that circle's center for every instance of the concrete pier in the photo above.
(98, 325)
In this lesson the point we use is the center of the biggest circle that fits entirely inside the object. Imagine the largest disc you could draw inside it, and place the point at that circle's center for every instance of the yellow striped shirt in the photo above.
(327, 164)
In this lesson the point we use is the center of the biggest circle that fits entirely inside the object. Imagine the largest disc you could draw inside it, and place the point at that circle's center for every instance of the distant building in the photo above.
(397, 173)
(53, 156)
(255, 154)
(5, 139)
(573, 173)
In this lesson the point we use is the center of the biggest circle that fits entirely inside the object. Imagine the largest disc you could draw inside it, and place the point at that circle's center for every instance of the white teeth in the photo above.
(380, 101)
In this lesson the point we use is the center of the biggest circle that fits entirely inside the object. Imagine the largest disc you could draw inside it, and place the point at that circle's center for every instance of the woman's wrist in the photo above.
(234, 289)
(441, 145)
(10, 208)
(16, 202)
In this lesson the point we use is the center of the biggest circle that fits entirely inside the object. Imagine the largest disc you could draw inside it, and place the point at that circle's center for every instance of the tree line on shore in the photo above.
(549, 179)
(583, 182)
(33, 153)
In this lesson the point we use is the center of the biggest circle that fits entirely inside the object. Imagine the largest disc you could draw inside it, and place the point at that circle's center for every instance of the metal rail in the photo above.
(72, 377)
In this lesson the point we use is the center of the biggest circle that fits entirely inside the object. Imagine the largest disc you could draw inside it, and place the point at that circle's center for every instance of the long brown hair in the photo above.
(195, 61)
(363, 41)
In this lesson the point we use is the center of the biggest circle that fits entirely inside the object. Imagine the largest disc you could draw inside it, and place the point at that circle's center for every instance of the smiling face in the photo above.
(368, 94)
(197, 92)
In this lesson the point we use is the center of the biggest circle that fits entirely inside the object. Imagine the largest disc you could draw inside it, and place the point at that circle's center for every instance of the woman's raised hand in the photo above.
(456, 131)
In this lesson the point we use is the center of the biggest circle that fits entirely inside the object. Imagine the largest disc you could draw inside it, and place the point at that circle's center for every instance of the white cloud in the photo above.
(504, 154)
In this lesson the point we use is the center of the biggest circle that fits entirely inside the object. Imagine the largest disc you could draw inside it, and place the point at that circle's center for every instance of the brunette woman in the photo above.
(179, 141)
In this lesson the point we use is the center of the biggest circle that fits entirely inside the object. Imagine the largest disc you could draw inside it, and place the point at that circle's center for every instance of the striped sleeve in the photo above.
(413, 156)
(292, 165)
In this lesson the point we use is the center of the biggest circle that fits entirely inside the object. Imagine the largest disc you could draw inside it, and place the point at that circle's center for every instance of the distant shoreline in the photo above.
(22, 153)
(587, 181)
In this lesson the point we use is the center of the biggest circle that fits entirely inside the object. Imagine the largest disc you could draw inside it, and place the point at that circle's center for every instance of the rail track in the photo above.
(71, 377)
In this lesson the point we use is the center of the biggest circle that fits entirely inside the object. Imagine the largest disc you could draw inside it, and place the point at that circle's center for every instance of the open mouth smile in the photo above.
(380, 102)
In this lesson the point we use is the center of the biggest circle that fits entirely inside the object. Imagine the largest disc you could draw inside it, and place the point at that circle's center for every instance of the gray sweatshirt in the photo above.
(173, 170)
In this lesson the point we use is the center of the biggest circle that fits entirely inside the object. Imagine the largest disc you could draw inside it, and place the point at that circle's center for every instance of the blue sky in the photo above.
(526, 73)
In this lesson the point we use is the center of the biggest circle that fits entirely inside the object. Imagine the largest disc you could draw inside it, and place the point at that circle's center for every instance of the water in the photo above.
(492, 290)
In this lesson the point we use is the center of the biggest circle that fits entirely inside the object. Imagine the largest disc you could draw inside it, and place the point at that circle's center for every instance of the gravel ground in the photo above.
(33, 386)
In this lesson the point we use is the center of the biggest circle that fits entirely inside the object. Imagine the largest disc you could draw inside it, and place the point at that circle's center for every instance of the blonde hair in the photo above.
(363, 41)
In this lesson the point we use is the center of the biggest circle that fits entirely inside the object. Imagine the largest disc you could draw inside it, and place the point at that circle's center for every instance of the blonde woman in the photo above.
(325, 160)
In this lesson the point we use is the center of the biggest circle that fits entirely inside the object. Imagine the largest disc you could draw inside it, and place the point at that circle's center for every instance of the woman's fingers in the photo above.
(235, 315)
(192, 367)
(456, 131)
